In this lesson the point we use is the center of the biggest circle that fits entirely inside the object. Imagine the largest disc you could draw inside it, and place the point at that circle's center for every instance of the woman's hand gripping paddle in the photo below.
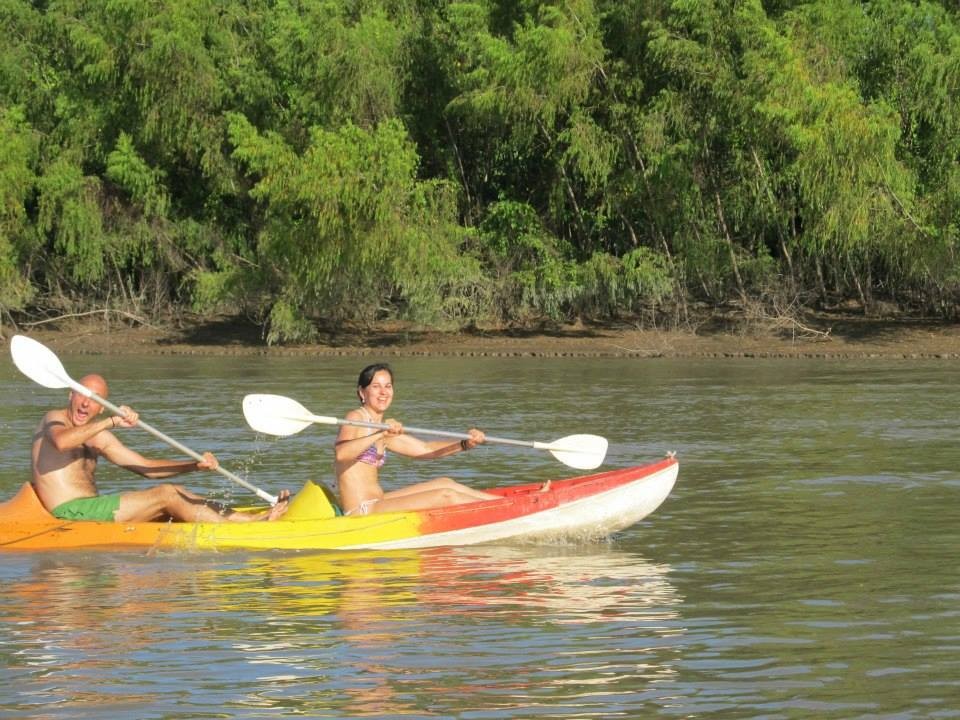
(279, 415)
(38, 363)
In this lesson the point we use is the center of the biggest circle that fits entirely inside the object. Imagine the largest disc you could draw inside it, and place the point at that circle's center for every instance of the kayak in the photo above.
(582, 508)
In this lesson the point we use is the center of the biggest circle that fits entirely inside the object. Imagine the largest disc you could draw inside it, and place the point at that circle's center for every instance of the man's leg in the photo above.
(175, 501)
(166, 501)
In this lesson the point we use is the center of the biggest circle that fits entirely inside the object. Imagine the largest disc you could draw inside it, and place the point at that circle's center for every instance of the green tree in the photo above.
(851, 186)
(317, 160)
(17, 150)
(348, 230)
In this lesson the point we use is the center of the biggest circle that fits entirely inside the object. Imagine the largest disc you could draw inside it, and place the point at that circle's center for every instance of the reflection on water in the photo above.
(429, 610)
(804, 565)
(369, 634)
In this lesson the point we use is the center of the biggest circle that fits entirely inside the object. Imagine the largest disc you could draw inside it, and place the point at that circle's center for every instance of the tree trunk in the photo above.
(730, 248)
(784, 250)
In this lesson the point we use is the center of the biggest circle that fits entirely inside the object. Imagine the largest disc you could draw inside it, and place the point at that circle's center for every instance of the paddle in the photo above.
(39, 364)
(279, 415)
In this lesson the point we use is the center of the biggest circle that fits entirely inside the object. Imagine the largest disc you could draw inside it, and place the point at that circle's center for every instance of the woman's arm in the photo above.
(351, 440)
(418, 449)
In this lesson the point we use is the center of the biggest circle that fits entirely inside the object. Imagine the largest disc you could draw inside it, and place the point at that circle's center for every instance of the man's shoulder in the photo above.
(53, 417)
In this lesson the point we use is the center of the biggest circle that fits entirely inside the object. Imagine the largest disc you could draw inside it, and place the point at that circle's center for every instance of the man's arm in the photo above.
(111, 448)
(119, 454)
(64, 437)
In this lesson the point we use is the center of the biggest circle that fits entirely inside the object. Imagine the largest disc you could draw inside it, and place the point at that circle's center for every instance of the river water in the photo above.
(805, 564)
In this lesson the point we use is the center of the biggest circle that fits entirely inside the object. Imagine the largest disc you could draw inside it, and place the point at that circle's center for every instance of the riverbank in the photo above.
(818, 337)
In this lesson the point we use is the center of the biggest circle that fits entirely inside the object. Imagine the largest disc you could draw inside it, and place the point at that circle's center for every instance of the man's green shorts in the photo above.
(101, 507)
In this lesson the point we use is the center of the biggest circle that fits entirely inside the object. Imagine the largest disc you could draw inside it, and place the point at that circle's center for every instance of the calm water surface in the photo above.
(804, 566)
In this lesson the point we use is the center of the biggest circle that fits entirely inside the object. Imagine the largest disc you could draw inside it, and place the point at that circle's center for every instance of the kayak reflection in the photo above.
(350, 634)
(569, 584)
(399, 625)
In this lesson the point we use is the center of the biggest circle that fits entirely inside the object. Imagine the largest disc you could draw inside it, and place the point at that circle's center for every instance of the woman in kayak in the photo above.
(360, 452)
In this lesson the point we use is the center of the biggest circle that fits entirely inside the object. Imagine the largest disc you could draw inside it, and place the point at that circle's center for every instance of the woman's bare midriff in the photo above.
(356, 484)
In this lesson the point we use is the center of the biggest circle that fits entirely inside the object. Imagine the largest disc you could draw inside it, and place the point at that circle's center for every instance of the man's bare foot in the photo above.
(283, 502)
(545, 486)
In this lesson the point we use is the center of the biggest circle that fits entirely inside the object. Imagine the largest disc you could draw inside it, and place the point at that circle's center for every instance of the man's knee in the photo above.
(170, 492)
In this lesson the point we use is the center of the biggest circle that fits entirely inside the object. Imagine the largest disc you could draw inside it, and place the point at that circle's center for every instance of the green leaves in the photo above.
(144, 184)
(339, 63)
(347, 220)
(69, 212)
(320, 161)
(17, 151)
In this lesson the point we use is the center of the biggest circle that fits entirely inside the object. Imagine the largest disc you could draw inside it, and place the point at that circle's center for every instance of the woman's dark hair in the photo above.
(366, 375)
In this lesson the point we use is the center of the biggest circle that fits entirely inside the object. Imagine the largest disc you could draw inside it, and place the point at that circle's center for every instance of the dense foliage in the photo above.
(318, 161)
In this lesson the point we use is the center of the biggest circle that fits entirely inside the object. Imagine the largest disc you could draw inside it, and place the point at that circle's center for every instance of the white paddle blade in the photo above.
(279, 415)
(583, 452)
(275, 414)
(38, 363)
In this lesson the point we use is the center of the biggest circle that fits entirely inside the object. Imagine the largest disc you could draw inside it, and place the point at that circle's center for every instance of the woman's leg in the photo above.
(442, 483)
(424, 500)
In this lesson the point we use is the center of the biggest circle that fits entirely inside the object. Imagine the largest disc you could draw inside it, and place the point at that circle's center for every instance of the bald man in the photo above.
(67, 445)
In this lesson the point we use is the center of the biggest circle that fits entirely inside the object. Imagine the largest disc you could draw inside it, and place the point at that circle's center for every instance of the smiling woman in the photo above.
(359, 455)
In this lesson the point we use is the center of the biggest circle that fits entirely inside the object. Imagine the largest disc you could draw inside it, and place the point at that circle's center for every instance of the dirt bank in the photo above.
(821, 337)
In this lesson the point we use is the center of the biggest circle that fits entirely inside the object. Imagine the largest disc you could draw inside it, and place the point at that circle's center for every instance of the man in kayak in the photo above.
(69, 441)
(360, 453)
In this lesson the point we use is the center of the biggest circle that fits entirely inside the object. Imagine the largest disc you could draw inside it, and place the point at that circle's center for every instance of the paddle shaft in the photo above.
(279, 415)
(170, 441)
(441, 433)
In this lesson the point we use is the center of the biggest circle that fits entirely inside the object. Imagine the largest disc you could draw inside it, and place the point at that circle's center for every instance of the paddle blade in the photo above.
(275, 414)
(583, 452)
(38, 363)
